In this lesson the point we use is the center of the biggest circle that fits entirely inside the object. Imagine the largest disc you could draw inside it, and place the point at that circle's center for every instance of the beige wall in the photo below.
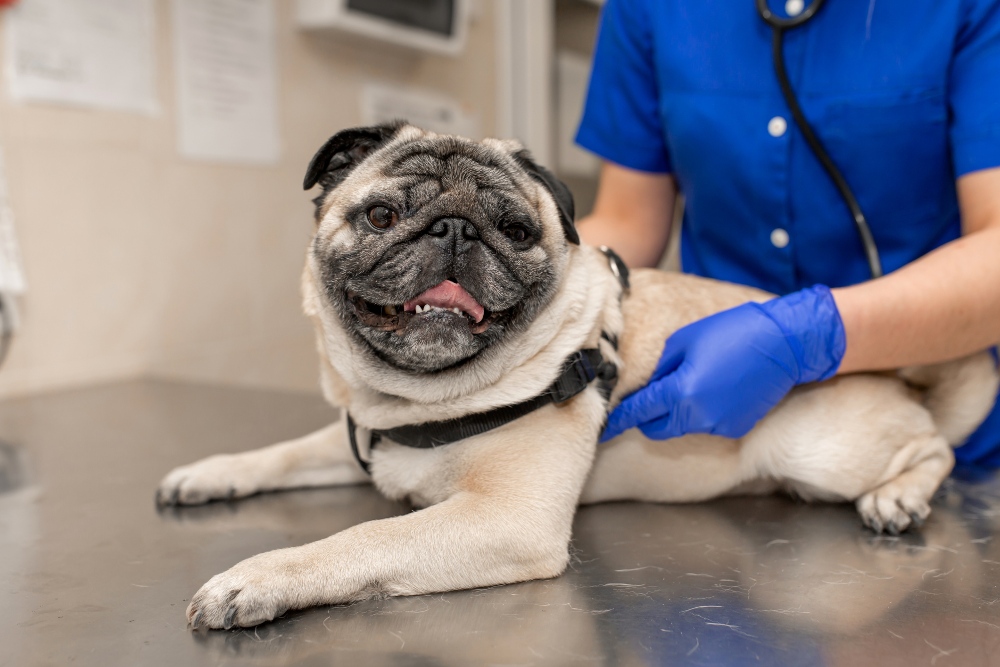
(576, 31)
(141, 263)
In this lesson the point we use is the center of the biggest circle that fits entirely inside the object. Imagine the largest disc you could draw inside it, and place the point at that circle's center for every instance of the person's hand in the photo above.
(722, 374)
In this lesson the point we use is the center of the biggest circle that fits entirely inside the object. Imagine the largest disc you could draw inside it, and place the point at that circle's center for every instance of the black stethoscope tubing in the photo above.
(778, 27)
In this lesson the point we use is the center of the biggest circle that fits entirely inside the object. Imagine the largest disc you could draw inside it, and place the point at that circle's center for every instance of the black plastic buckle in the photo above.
(577, 373)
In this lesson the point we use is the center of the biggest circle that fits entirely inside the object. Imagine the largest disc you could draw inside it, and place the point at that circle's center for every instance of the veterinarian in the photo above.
(903, 95)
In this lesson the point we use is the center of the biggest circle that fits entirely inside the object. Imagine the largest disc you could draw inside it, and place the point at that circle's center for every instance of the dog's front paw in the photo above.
(224, 476)
(252, 592)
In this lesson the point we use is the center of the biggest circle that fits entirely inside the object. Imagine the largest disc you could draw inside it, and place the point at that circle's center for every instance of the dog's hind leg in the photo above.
(891, 489)
(904, 500)
(322, 458)
(861, 439)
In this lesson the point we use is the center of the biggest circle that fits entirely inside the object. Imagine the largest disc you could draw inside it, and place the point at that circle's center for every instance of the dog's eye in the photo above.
(515, 233)
(382, 217)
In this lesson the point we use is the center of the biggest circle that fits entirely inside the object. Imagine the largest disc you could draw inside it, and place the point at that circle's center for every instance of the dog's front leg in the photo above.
(467, 541)
(321, 458)
(508, 519)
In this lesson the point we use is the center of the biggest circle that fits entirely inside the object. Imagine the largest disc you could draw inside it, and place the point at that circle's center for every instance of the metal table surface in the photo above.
(92, 574)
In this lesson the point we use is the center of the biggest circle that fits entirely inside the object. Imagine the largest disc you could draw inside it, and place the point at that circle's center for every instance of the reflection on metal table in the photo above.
(92, 574)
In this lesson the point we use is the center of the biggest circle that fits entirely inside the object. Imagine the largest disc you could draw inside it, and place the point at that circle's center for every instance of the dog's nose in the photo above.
(454, 232)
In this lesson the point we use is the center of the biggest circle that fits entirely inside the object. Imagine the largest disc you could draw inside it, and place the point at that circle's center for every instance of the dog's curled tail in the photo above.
(959, 394)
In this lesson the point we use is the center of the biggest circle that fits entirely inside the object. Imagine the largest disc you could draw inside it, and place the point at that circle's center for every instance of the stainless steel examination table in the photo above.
(92, 574)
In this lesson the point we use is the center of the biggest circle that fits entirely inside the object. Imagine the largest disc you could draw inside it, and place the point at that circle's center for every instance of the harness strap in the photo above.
(352, 433)
(617, 266)
(580, 369)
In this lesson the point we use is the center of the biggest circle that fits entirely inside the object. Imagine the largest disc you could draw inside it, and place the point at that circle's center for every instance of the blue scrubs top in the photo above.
(904, 95)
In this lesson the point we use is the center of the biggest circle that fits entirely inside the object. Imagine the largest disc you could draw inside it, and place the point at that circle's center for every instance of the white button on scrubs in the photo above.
(779, 238)
(777, 126)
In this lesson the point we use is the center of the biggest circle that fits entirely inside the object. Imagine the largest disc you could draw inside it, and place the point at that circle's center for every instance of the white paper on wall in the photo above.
(94, 53)
(11, 272)
(224, 58)
(381, 103)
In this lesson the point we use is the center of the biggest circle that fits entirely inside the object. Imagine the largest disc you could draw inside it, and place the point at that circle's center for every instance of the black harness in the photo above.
(578, 371)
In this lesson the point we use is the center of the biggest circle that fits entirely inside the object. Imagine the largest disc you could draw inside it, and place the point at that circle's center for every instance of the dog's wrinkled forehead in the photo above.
(424, 165)
(456, 171)
(456, 164)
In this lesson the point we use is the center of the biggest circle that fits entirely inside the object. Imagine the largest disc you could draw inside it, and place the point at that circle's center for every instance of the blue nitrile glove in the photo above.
(722, 374)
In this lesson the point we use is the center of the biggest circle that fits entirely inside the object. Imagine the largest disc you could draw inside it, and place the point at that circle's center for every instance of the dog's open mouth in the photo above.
(446, 302)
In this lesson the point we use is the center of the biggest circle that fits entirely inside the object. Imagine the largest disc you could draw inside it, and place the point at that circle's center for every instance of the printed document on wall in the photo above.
(97, 53)
(226, 80)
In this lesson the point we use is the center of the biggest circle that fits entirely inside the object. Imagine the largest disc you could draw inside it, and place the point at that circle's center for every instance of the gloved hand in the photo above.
(722, 374)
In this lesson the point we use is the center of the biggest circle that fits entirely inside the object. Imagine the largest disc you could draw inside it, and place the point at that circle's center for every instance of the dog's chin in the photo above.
(423, 339)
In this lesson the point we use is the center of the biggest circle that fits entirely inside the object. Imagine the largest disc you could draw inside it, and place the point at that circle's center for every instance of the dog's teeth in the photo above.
(428, 308)
(390, 310)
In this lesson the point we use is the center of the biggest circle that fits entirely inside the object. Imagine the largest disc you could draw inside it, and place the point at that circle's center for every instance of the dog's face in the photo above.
(431, 249)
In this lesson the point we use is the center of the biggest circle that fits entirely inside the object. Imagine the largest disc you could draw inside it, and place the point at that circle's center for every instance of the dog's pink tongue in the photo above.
(448, 295)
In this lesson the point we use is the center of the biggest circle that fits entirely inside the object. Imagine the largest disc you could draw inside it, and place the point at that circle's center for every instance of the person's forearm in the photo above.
(943, 306)
(632, 214)
(636, 249)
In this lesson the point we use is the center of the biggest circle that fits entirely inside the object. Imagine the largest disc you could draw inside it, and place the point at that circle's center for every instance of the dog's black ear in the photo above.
(344, 151)
(560, 193)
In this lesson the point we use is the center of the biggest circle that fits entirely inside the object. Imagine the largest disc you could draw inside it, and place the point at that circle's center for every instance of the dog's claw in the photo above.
(916, 520)
(230, 619)
(892, 528)
(196, 621)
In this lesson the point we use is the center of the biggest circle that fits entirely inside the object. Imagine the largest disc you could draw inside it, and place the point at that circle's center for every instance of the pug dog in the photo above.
(453, 303)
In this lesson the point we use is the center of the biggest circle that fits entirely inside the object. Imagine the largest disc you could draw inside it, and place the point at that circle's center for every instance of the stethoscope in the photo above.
(778, 27)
